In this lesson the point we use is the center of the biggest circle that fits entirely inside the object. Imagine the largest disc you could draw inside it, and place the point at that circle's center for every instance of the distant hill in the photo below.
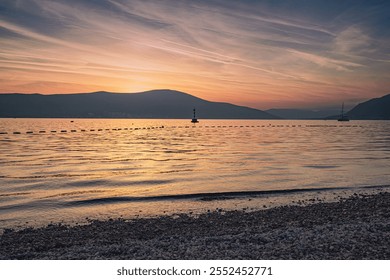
(373, 109)
(301, 114)
(149, 104)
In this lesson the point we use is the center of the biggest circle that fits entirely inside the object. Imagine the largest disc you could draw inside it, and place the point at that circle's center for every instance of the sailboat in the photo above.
(194, 119)
(343, 118)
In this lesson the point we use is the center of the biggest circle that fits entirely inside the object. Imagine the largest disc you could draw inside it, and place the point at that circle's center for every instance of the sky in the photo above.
(261, 54)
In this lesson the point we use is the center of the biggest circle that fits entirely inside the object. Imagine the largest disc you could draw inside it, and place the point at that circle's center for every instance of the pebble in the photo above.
(353, 228)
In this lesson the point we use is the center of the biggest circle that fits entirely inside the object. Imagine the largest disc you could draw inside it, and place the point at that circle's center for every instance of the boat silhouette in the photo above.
(343, 118)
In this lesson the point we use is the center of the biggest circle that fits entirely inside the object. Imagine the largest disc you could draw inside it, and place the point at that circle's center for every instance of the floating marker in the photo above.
(42, 131)
(73, 130)
(29, 132)
(63, 131)
(3, 132)
(16, 132)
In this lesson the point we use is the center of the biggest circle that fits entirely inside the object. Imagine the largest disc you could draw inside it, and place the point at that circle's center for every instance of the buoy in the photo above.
(194, 119)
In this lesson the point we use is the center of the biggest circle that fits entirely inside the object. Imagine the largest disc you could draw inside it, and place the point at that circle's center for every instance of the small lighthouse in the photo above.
(194, 119)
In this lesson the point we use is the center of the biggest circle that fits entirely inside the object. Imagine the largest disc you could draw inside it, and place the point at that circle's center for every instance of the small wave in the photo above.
(75, 193)
(322, 166)
(49, 176)
(205, 196)
(14, 194)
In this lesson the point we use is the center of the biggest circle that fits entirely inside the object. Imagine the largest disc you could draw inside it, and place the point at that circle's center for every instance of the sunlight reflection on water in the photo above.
(100, 160)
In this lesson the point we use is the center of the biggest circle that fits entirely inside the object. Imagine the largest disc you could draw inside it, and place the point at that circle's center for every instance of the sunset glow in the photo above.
(262, 54)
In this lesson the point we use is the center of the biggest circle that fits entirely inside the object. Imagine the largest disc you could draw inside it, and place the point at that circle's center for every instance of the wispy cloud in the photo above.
(324, 61)
(353, 40)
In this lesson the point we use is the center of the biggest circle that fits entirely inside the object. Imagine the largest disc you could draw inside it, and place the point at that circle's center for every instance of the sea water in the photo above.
(70, 170)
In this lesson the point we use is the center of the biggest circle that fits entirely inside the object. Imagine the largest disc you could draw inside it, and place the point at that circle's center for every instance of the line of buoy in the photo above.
(193, 126)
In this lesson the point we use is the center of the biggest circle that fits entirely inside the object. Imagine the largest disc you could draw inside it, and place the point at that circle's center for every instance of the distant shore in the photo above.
(354, 228)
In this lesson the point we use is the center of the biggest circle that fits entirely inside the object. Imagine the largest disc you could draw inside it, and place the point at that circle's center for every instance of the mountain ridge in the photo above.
(302, 114)
(373, 109)
(102, 104)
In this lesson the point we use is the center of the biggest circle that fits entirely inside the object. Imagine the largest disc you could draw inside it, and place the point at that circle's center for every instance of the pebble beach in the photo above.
(357, 227)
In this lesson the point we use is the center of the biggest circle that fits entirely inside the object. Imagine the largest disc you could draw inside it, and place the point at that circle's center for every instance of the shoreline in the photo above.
(357, 227)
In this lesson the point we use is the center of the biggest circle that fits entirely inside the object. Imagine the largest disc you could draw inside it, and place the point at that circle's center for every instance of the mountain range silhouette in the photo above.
(149, 104)
(163, 103)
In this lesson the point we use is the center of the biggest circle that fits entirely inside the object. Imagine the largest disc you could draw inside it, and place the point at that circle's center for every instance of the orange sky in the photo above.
(262, 54)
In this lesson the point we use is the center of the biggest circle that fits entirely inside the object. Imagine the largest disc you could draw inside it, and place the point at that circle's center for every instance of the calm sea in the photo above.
(62, 170)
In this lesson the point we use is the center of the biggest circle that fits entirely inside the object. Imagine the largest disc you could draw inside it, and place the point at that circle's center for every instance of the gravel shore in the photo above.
(353, 228)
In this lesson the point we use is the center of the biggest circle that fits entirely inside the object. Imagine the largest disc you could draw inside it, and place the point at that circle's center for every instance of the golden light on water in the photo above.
(108, 168)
